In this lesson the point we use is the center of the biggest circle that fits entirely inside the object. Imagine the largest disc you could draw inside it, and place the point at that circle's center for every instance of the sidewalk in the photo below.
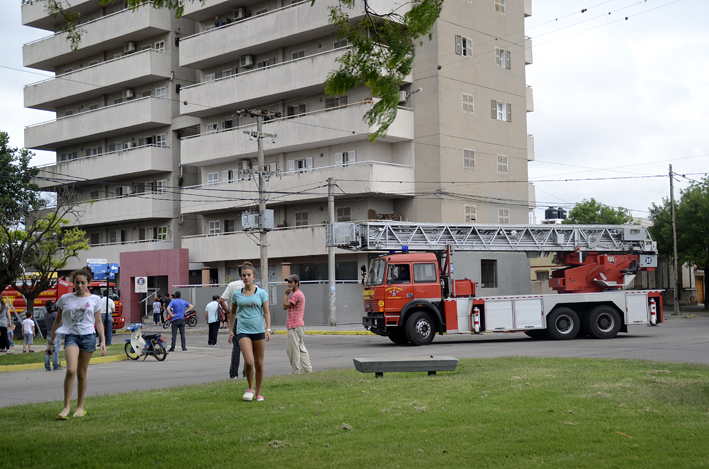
(201, 328)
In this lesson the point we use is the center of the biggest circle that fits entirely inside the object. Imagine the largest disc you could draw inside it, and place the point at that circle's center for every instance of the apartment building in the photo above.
(148, 133)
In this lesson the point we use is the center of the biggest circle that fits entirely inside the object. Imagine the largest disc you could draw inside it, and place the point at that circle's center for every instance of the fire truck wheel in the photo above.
(398, 336)
(537, 334)
(603, 322)
(563, 324)
(130, 352)
(420, 328)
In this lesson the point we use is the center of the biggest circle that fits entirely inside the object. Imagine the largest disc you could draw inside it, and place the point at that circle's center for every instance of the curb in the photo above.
(40, 366)
(275, 332)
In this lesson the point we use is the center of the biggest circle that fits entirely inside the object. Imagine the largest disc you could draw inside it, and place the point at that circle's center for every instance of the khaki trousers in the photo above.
(297, 353)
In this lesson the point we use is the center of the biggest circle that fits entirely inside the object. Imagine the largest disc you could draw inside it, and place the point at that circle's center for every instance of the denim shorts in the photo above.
(259, 336)
(86, 343)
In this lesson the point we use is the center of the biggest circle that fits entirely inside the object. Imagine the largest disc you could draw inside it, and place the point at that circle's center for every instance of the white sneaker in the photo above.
(249, 395)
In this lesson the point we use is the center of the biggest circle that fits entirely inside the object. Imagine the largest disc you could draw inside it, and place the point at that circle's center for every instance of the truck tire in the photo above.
(397, 335)
(420, 328)
(563, 324)
(602, 322)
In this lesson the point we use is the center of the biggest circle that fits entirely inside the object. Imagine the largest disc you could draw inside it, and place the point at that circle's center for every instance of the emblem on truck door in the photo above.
(394, 292)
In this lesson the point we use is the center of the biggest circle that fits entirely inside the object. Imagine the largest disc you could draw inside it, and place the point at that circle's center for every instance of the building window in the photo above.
(209, 77)
(500, 6)
(542, 274)
(214, 227)
(488, 273)
(468, 103)
(343, 214)
(212, 128)
(336, 101)
(227, 124)
(301, 218)
(502, 164)
(295, 110)
(161, 186)
(265, 63)
(161, 92)
(147, 93)
(261, 12)
(345, 158)
(93, 107)
(227, 73)
(299, 54)
(271, 168)
(160, 140)
(503, 215)
(468, 158)
(160, 46)
(463, 46)
(69, 112)
(340, 43)
(212, 179)
(94, 194)
(162, 233)
(300, 166)
(95, 239)
(470, 213)
(501, 111)
(502, 58)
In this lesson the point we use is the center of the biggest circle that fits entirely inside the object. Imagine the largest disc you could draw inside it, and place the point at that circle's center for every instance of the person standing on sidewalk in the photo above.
(235, 349)
(5, 321)
(49, 319)
(295, 346)
(211, 316)
(157, 307)
(176, 313)
(108, 307)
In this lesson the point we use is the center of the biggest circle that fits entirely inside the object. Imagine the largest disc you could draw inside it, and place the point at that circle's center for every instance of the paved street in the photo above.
(678, 339)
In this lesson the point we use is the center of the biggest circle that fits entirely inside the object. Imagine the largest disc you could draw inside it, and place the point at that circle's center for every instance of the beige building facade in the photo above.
(146, 129)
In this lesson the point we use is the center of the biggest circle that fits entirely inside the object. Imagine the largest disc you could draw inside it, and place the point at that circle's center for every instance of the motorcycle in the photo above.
(190, 320)
(143, 345)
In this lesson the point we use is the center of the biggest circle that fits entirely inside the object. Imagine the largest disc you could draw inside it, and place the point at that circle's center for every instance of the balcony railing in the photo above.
(122, 209)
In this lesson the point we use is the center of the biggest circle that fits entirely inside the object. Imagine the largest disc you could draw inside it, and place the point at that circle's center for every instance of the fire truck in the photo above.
(410, 293)
(62, 287)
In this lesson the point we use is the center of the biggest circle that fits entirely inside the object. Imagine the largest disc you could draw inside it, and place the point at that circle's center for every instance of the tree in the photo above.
(590, 212)
(692, 226)
(382, 52)
(18, 193)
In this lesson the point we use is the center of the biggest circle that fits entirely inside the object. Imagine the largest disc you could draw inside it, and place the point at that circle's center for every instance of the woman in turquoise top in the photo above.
(250, 306)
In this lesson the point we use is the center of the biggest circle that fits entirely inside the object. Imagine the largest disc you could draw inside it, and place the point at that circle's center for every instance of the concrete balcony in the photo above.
(92, 82)
(530, 147)
(279, 82)
(112, 252)
(35, 14)
(105, 33)
(141, 161)
(118, 119)
(527, 8)
(314, 129)
(530, 99)
(374, 178)
(528, 56)
(122, 209)
(290, 242)
(289, 25)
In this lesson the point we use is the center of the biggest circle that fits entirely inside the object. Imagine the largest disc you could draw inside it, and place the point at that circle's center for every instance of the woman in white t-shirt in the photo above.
(78, 314)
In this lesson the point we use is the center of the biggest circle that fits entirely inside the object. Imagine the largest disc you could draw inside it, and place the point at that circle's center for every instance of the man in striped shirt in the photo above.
(295, 347)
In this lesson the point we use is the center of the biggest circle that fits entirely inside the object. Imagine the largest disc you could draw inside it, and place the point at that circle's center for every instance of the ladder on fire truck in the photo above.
(542, 239)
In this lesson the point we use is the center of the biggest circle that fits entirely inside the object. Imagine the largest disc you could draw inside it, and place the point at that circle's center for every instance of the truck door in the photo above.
(399, 290)
(426, 283)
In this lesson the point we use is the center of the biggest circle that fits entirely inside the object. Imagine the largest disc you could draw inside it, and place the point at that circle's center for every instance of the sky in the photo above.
(616, 100)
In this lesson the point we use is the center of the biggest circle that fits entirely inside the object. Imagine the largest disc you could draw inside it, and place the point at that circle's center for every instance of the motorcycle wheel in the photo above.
(130, 352)
(192, 321)
(166, 324)
(160, 353)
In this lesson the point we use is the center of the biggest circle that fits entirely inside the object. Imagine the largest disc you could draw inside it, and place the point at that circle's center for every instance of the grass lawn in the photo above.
(505, 412)
(40, 345)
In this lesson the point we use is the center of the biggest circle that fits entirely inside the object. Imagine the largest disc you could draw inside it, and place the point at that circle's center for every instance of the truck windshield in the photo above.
(377, 269)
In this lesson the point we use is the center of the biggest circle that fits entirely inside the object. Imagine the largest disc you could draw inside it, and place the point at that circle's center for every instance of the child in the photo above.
(28, 333)
(10, 336)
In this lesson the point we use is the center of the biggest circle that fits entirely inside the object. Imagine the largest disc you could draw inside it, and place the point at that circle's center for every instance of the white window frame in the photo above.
(161, 92)
(161, 140)
(301, 218)
(209, 77)
(300, 166)
(213, 179)
(345, 158)
(340, 44)
(227, 73)
(161, 186)
(214, 227)
(296, 110)
(468, 103)
(503, 58)
(468, 158)
(501, 111)
(344, 214)
(162, 233)
(336, 101)
(272, 167)
(503, 164)
(470, 213)
(500, 6)
(299, 54)
(211, 128)
(503, 216)
(463, 46)
(159, 46)
(93, 107)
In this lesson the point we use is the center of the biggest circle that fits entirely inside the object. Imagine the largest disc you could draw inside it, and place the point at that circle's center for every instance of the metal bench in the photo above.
(380, 366)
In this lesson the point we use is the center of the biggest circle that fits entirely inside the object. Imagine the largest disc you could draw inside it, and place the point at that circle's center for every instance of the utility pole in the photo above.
(674, 245)
(331, 252)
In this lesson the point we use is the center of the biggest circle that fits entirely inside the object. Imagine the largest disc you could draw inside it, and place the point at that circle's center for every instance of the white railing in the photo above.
(63, 75)
(208, 235)
(300, 171)
(142, 241)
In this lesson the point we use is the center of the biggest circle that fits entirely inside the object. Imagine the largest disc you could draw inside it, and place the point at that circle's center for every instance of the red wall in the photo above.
(171, 262)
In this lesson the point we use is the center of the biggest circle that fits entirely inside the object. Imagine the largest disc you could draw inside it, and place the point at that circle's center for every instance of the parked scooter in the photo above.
(143, 345)
(190, 319)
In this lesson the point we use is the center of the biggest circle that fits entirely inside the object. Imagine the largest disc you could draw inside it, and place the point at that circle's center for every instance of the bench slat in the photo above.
(430, 364)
